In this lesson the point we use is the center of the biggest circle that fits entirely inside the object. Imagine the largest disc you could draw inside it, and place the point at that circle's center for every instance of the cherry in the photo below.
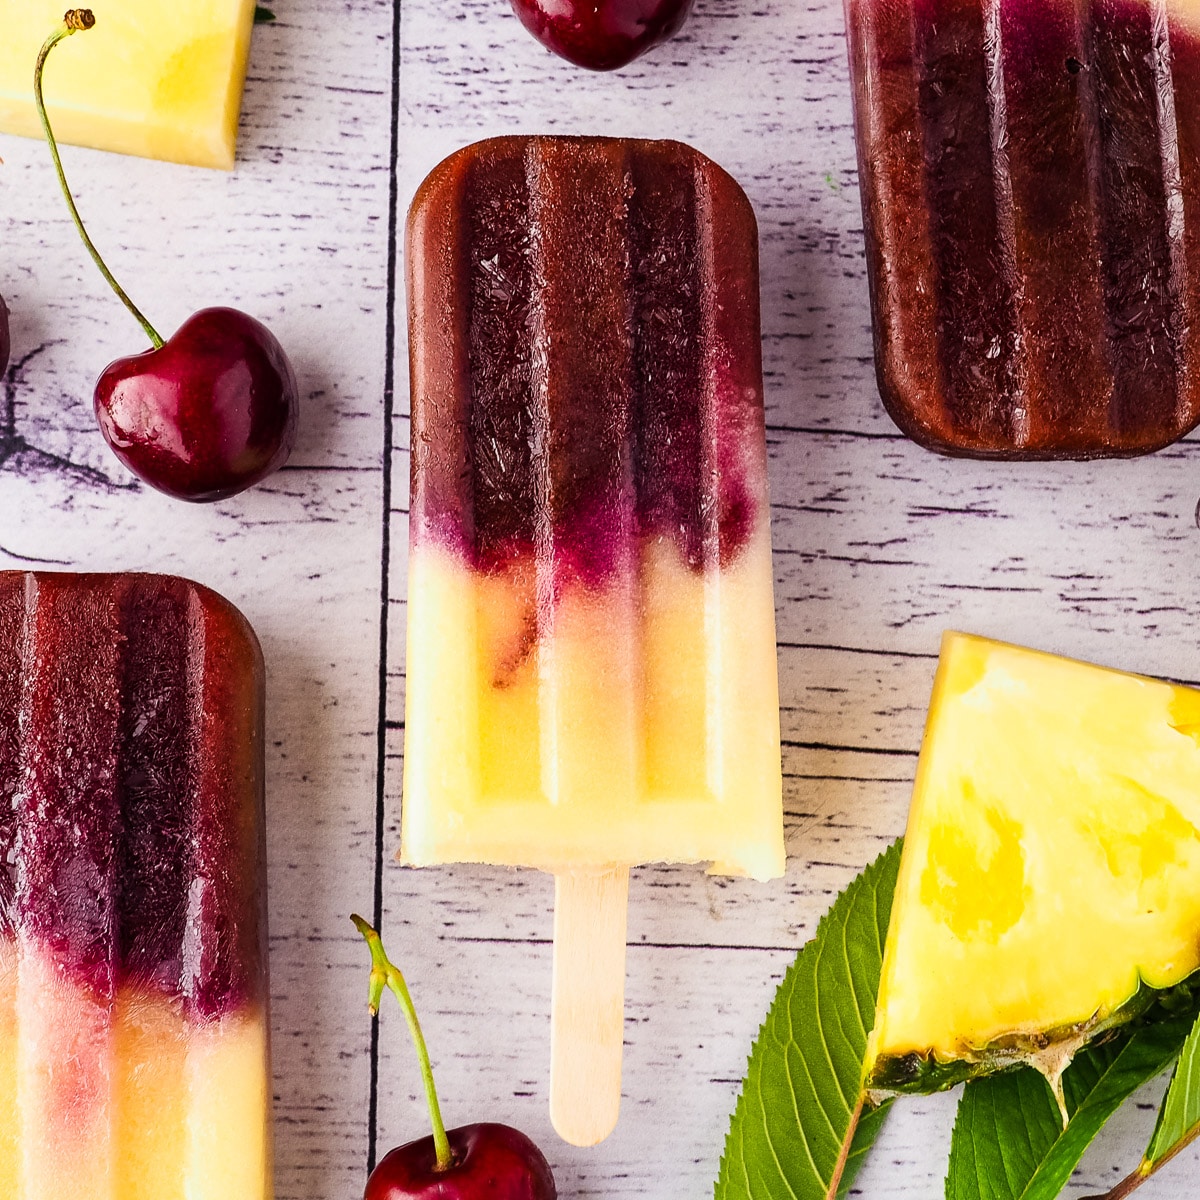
(473, 1162)
(488, 1162)
(601, 34)
(5, 343)
(206, 414)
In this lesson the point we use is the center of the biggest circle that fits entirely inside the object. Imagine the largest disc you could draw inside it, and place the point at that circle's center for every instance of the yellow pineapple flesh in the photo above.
(1050, 878)
(153, 78)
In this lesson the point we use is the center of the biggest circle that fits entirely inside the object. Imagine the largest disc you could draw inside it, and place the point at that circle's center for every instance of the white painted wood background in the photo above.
(879, 546)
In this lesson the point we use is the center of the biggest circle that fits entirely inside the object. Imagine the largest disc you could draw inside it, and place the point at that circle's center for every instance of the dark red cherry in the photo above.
(473, 1162)
(601, 34)
(207, 414)
(202, 415)
(5, 343)
(491, 1162)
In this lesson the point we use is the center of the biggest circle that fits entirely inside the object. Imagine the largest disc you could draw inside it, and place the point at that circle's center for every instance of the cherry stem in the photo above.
(75, 20)
(385, 974)
(839, 1167)
(1145, 1169)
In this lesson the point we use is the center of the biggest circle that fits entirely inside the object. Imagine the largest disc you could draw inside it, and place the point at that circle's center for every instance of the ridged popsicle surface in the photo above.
(589, 510)
(1030, 187)
(133, 1035)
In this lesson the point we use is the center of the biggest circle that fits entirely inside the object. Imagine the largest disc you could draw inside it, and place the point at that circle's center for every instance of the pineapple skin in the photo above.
(1049, 888)
(153, 78)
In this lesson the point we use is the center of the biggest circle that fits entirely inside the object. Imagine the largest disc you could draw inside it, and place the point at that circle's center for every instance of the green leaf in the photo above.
(263, 15)
(1009, 1142)
(1179, 1117)
(802, 1096)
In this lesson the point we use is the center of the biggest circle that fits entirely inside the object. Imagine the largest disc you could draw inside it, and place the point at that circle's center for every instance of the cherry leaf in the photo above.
(802, 1126)
(1009, 1141)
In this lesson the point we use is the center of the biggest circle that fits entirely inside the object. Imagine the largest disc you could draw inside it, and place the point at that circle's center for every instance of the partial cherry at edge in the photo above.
(601, 35)
(5, 343)
(208, 414)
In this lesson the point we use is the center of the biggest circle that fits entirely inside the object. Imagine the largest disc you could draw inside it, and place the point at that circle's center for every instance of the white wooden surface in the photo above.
(879, 546)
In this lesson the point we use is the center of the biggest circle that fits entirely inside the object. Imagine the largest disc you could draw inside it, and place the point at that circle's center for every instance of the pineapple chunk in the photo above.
(154, 78)
(1050, 880)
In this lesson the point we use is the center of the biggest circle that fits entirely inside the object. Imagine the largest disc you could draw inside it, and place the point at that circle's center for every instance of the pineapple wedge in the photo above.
(1050, 881)
(154, 77)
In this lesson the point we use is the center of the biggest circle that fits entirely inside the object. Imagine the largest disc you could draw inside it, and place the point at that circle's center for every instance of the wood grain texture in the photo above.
(879, 547)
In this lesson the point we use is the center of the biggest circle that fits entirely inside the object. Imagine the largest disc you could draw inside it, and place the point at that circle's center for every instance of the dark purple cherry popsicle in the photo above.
(132, 890)
(1031, 197)
(601, 34)
(474, 1162)
(206, 413)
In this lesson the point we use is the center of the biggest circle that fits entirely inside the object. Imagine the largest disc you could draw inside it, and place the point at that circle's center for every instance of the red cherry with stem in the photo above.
(601, 34)
(206, 413)
(473, 1162)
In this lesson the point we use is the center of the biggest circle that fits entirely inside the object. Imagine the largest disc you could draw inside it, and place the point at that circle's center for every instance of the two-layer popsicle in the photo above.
(1031, 196)
(591, 650)
(133, 959)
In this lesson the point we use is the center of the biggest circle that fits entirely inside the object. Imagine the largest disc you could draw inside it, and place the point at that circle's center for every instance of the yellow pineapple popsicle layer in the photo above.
(1052, 859)
(591, 646)
(153, 78)
(133, 994)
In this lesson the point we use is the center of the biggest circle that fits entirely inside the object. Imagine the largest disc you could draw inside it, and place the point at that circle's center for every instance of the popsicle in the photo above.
(591, 648)
(1031, 197)
(133, 996)
(154, 78)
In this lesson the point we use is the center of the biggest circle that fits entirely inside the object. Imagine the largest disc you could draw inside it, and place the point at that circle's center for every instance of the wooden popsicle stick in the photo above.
(587, 1006)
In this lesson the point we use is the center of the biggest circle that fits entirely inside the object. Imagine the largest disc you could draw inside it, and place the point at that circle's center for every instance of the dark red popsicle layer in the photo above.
(586, 365)
(131, 767)
(1029, 178)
